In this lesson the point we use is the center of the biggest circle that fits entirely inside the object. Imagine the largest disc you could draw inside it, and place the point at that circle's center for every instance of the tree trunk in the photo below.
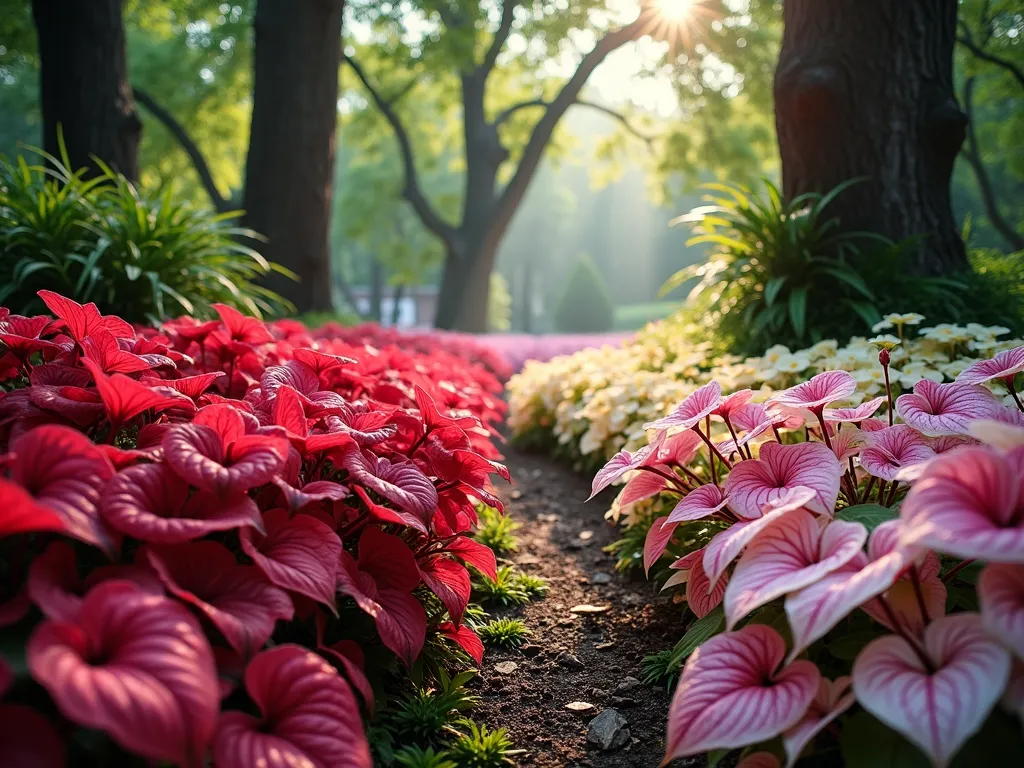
(84, 90)
(864, 88)
(376, 291)
(466, 286)
(289, 170)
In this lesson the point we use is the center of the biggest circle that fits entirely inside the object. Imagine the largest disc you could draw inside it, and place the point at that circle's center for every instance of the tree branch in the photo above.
(618, 116)
(508, 8)
(411, 190)
(220, 203)
(988, 197)
(506, 114)
(965, 39)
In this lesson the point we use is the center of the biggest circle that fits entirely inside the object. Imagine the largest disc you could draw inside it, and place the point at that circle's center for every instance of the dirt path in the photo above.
(576, 657)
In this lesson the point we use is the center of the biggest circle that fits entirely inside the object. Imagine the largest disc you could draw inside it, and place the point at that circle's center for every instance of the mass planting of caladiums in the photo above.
(194, 517)
(842, 558)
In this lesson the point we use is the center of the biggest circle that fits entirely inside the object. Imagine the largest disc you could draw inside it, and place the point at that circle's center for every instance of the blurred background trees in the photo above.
(668, 108)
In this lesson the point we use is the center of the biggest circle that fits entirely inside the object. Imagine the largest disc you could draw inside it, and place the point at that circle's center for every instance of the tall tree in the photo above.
(864, 88)
(289, 169)
(84, 89)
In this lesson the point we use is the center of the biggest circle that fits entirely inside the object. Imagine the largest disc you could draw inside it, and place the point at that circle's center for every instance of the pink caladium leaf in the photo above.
(759, 760)
(1001, 594)
(818, 392)
(294, 374)
(847, 443)
(831, 700)
(404, 484)
(865, 410)
(150, 502)
(238, 599)
(623, 462)
(701, 403)
(937, 705)
(134, 665)
(448, 580)
(1005, 365)
(727, 545)
(701, 596)
(894, 448)
(643, 486)
(658, 537)
(82, 319)
(309, 716)
(946, 409)
(22, 514)
(67, 474)
(968, 503)
(697, 504)
(731, 403)
(381, 582)
(753, 484)
(792, 552)
(198, 454)
(733, 692)
(298, 553)
(464, 637)
(28, 740)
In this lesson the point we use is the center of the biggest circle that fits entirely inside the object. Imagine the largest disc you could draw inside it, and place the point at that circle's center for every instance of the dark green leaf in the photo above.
(869, 515)
(868, 743)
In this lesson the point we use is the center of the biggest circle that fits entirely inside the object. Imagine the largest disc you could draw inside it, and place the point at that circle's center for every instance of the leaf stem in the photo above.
(948, 575)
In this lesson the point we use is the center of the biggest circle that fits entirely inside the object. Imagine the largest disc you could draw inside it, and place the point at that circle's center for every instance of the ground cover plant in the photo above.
(855, 567)
(222, 540)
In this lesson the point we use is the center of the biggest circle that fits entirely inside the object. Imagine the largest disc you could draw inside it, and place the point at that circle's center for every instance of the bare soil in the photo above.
(562, 539)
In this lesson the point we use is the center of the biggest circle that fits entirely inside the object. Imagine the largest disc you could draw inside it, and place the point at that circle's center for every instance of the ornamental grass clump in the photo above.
(860, 568)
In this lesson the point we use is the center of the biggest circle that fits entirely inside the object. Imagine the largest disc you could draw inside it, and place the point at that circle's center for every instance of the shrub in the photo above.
(499, 304)
(585, 306)
(245, 518)
(141, 257)
(845, 553)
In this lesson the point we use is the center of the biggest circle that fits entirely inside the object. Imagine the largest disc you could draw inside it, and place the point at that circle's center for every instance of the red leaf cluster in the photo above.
(173, 500)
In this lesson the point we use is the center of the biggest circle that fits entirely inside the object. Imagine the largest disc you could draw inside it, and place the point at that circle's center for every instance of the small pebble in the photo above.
(506, 667)
(579, 706)
(600, 578)
(530, 650)
(622, 701)
(516, 493)
(586, 535)
(628, 684)
(587, 608)
(569, 660)
(605, 646)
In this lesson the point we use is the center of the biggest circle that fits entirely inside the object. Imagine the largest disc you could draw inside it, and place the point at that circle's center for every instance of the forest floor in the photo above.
(576, 656)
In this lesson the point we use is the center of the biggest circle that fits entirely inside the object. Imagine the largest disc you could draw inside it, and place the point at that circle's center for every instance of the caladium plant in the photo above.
(867, 567)
(179, 504)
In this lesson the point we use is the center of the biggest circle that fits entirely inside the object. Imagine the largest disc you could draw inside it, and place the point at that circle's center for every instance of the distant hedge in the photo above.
(585, 305)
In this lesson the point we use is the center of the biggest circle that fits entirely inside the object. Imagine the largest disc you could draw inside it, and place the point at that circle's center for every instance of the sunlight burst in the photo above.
(675, 10)
(679, 22)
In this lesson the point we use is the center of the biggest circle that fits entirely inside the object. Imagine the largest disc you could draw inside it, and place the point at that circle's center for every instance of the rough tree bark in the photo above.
(864, 88)
(290, 165)
(84, 88)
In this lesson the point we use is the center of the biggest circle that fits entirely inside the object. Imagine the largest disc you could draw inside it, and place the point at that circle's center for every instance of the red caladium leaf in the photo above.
(22, 514)
(309, 717)
(82, 319)
(472, 552)
(125, 398)
(734, 692)
(311, 493)
(350, 656)
(320, 361)
(28, 740)
(150, 502)
(938, 706)
(465, 638)
(101, 348)
(388, 515)
(55, 375)
(199, 454)
(82, 407)
(299, 554)
(380, 582)
(21, 335)
(294, 374)
(404, 484)
(450, 582)
(66, 473)
(290, 413)
(238, 599)
(194, 386)
(54, 584)
(248, 330)
(135, 666)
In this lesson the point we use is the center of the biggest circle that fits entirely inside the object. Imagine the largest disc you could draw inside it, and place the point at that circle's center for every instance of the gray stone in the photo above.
(628, 684)
(567, 659)
(601, 578)
(609, 730)
(530, 650)
(506, 667)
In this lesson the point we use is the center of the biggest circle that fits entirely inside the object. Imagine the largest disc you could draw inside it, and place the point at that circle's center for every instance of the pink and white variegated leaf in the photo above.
(697, 504)
(894, 448)
(847, 443)
(863, 411)
(790, 554)
(967, 503)
(936, 708)
(727, 545)
(733, 693)
(642, 486)
(1005, 364)
(831, 700)
(701, 596)
(1001, 594)
(817, 392)
(623, 462)
(689, 413)
(946, 409)
(658, 537)
(753, 484)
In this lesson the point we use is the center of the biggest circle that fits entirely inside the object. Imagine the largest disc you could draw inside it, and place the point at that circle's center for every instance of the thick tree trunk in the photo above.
(466, 288)
(290, 166)
(864, 88)
(84, 90)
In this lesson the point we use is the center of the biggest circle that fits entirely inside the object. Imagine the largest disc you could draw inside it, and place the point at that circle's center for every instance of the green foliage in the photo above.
(510, 587)
(585, 305)
(142, 257)
(481, 748)
(428, 715)
(779, 271)
(499, 304)
(869, 515)
(504, 632)
(496, 530)
(417, 757)
(994, 293)
(666, 665)
(633, 317)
